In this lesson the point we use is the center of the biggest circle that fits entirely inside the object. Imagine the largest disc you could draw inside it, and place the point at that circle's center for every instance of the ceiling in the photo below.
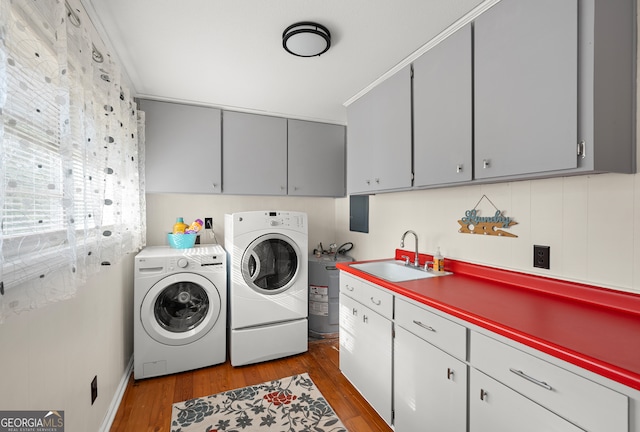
(228, 53)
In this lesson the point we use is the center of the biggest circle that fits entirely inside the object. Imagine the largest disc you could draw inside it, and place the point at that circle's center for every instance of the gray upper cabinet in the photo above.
(316, 165)
(254, 154)
(182, 148)
(442, 110)
(526, 88)
(379, 137)
(607, 86)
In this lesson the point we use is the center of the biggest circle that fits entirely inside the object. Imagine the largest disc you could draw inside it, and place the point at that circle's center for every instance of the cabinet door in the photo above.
(316, 159)
(496, 408)
(359, 144)
(182, 148)
(254, 154)
(379, 137)
(430, 387)
(526, 81)
(442, 92)
(366, 354)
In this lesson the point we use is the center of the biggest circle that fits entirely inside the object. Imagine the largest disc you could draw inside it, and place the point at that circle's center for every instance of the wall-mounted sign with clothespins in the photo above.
(473, 223)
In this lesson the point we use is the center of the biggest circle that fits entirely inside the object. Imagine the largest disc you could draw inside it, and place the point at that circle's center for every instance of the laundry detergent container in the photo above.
(324, 295)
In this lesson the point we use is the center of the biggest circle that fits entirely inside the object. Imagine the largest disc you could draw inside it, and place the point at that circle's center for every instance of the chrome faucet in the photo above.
(415, 259)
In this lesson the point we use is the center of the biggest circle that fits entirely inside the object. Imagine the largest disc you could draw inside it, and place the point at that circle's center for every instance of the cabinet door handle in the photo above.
(459, 168)
(215, 185)
(424, 326)
(377, 303)
(449, 373)
(486, 163)
(530, 378)
(582, 149)
(349, 288)
(354, 311)
(483, 395)
(378, 180)
(365, 319)
(368, 181)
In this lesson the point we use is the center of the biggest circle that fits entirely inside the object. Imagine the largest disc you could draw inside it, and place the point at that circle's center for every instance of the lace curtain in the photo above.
(71, 195)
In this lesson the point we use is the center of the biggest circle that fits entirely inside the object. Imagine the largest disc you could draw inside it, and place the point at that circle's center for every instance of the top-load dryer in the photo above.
(268, 285)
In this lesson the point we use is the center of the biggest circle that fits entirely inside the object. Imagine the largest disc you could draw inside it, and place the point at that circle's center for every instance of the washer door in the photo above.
(271, 263)
(180, 309)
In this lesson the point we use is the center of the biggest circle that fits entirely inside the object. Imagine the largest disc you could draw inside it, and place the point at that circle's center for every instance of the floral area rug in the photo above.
(291, 404)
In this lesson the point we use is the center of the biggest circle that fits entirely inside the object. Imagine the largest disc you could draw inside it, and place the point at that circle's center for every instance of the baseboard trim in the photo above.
(117, 398)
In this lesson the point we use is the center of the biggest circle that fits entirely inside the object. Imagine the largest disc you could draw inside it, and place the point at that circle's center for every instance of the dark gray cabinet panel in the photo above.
(182, 148)
(442, 112)
(526, 84)
(316, 163)
(607, 85)
(379, 137)
(254, 154)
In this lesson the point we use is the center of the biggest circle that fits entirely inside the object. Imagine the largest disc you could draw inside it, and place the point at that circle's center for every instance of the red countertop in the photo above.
(595, 328)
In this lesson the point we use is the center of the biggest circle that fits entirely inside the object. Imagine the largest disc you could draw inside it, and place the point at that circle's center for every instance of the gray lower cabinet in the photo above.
(494, 407)
(526, 84)
(442, 109)
(254, 154)
(430, 386)
(542, 386)
(379, 137)
(316, 162)
(182, 148)
(424, 370)
(366, 342)
(366, 353)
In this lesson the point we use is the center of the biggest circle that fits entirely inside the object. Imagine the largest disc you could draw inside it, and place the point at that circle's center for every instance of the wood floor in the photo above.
(146, 404)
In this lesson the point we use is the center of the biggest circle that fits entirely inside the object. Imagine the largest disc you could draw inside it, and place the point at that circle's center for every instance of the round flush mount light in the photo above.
(306, 39)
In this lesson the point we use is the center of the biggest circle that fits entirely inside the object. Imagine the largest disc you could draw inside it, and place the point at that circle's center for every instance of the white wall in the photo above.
(162, 210)
(49, 356)
(591, 223)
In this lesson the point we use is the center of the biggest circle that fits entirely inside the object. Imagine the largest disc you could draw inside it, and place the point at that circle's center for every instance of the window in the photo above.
(70, 191)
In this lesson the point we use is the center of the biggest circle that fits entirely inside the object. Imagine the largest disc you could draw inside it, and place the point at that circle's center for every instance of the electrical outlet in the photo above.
(542, 256)
(94, 389)
(208, 223)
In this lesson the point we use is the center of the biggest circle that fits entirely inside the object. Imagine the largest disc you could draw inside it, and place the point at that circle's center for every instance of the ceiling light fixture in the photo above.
(306, 39)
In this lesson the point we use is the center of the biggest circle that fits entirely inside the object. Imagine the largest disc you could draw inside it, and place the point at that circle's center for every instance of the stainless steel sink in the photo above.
(396, 271)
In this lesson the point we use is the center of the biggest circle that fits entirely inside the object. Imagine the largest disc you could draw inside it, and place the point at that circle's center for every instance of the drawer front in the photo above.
(441, 332)
(591, 406)
(494, 407)
(376, 299)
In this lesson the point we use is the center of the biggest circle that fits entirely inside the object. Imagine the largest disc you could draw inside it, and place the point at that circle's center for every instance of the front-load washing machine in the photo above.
(268, 285)
(180, 298)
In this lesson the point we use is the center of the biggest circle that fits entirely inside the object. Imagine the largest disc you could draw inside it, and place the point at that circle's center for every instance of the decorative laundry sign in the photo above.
(473, 223)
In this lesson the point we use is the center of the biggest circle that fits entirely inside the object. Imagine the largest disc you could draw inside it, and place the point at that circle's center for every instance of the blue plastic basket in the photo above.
(182, 241)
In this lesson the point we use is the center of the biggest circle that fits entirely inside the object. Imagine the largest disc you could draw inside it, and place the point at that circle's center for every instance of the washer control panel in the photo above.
(156, 260)
(285, 219)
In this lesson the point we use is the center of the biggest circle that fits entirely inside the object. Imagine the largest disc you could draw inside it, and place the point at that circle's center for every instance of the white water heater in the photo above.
(324, 295)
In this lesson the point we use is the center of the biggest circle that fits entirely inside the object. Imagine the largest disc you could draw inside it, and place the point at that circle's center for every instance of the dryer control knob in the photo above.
(182, 263)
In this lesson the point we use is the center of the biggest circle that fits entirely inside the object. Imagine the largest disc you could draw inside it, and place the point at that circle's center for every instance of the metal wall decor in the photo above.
(473, 223)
